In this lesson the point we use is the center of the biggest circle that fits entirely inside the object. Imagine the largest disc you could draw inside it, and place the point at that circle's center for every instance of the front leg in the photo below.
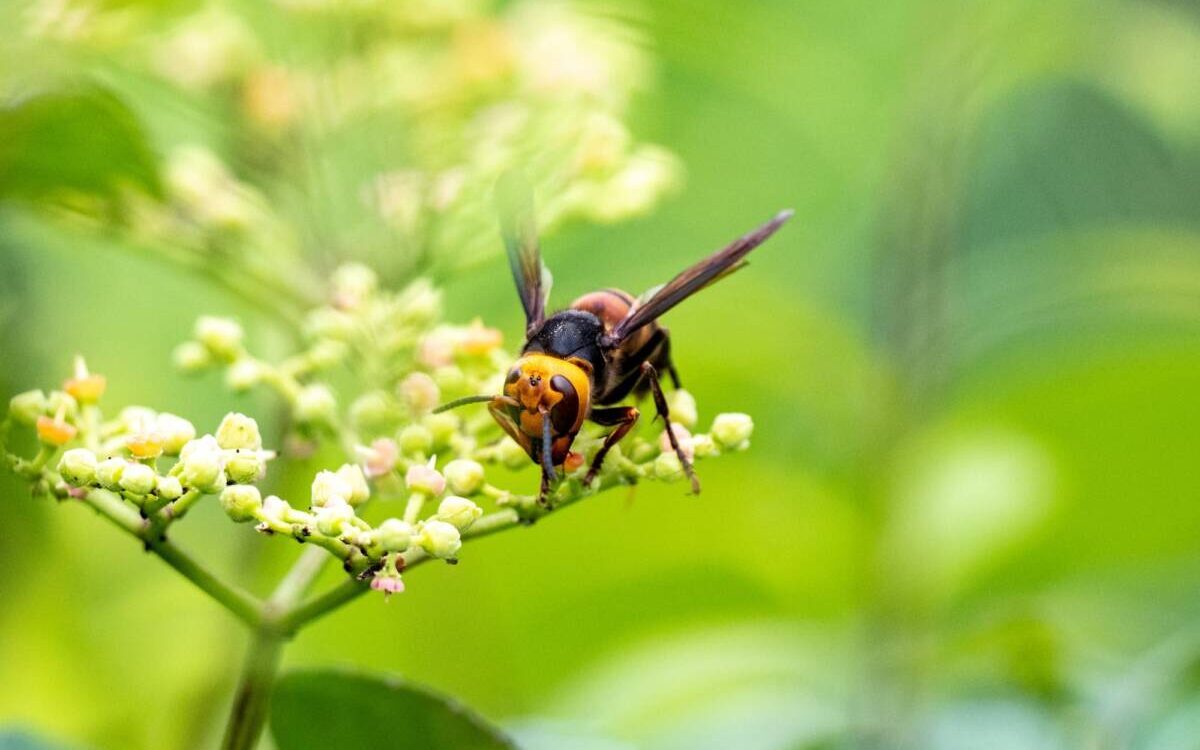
(660, 404)
(624, 417)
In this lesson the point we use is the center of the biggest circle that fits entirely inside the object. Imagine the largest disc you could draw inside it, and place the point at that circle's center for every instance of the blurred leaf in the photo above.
(331, 708)
(19, 739)
(86, 141)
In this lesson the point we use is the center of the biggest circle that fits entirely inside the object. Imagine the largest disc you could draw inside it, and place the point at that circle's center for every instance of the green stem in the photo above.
(252, 700)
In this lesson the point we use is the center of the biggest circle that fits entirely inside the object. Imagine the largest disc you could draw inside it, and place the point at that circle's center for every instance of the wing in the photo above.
(514, 201)
(708, 271)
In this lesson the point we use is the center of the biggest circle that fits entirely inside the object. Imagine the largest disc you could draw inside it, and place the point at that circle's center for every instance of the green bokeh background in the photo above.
(971, 514)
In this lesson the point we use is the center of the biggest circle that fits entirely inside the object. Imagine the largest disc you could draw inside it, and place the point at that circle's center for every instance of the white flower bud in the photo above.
(380, 457)
(109, 471)
(353, 476)
(242, 502)
(329, 487)
(78, 467)
(243, 375)
(464, 476)
(459, 512)
(415, 440)
(419, 393)
(239, 431)
(138, 479)
(174, 431)
(201, 465)
(511, 455)
(274, 508)
(682, 406)
(138, 419)
(26, 407)
(394, 535)
(425, 479)
(667, 466)
(732, 431)
(682, 436)
(334, 518)
(352, 284)
(168, 487)
(440, 539)
(704, 446)
(221, 336)
(316, 404)
(191, 356)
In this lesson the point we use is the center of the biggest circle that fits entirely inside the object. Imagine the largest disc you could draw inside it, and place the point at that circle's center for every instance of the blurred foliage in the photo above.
(970, 518)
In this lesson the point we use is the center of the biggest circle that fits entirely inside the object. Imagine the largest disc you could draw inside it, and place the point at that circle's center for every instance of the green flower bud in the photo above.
(450, 379)
(243, 375)
(26, 407)
(374, 411)
(353, 284)
(440, 539)
(353, 476)
(241, 502)
(221, 336)
(244, 466)
(732, 431)
(328, 488)
(138, 479)
(442, 427)
(420, 303)
(168, 488)
(239, 431)
(78, 467)
(191, 356)
(463, 476)
(326, 353)
(419, 393)
(201, 465)
(109, 471)
(174, 431)
(415, 440)
(682, 405)
(459, 512)
(704, 446)
(394, 535)
(511, 455)
(667, 466)
(316, 404)
(61, 402)
(327, 323)
(335, 518)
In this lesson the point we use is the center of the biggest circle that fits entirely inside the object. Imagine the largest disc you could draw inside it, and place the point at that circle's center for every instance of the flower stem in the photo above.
(252, 700)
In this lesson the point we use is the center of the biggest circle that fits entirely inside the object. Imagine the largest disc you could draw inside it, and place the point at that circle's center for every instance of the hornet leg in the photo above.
(660, 404)
(624, 417)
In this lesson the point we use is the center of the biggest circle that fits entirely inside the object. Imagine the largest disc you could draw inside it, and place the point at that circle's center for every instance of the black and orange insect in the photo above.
(580, 363)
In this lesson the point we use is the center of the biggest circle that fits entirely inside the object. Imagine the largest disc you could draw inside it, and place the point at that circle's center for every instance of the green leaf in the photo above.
(84, 141)
(326, 708)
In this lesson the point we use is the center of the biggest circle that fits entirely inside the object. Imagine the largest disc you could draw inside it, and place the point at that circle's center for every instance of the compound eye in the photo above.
(565, 413)
(513, 376)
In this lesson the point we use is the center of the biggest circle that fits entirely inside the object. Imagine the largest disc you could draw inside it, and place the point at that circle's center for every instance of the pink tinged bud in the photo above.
(682, 435)
(380, 458)
(425, 479)
(419, 392)
(387, 583)
(437, 349)
(479, 339)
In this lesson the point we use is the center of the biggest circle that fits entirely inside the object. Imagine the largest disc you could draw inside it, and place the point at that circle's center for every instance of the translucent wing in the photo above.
(518, 226)
(716, 266)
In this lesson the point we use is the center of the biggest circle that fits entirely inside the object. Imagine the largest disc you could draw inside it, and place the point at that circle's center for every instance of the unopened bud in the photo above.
(420, 303)
(62, 403)
(138, 479)
(415, 440)
(137, 419)
(440, 539)
(221, 336)
(326, 353)
(374, 411)
(442, 427)
(703, 446)
(26, 407)
(239, 431)
(328, 323)
(682, 436)
(333, 519)
(329, 487)
(242, 502)
(510, 454)
(464, 476)
(78, 467)
(243, 375)
(244, 466)
(394, 535)
(168, 488)
(682, 406)
(201, 465)
(109, 471)
(459, 512)
(425, 479)
(352, 284)
(191, 356)
(380, 457)
(667, 466)
(352, 475)
(174, 431)
(419, 393)
(732, 431)
(274, 508)
(316, 404)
